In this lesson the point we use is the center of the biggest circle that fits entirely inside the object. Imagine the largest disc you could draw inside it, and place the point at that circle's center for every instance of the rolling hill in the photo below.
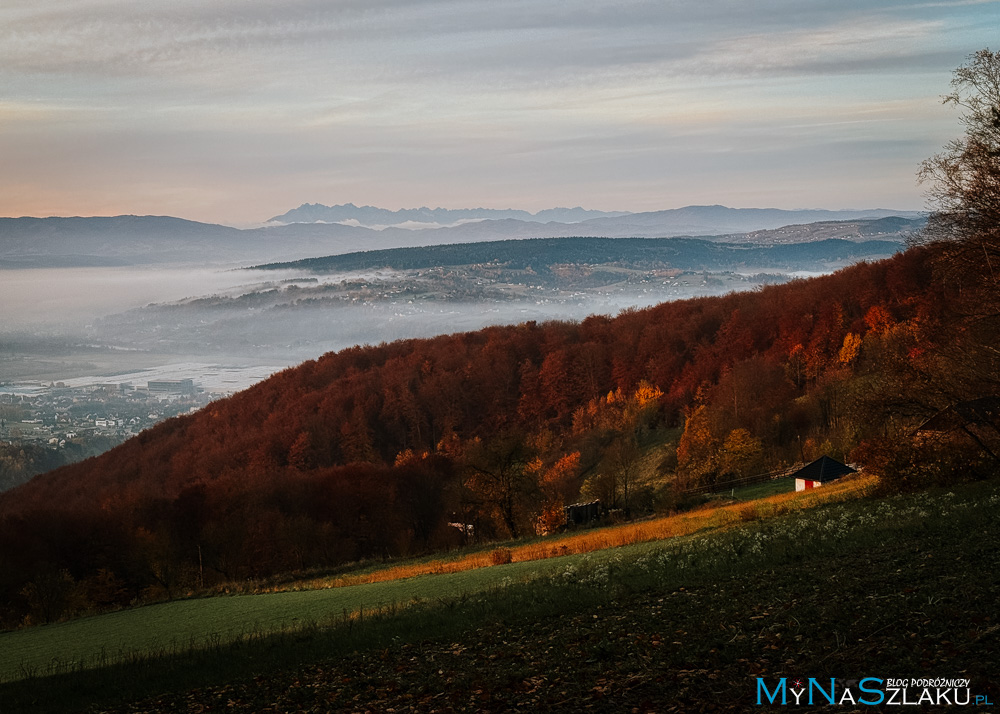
(149, 240)
(543, 253)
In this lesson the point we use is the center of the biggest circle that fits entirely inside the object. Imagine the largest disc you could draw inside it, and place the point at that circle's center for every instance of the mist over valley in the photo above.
(72, 322)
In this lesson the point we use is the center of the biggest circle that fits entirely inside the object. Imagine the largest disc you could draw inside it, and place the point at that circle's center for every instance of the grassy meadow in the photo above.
(182, 625)
(827, 550)
(762, 490)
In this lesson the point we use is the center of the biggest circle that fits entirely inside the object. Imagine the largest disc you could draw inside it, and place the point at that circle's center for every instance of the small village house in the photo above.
(821, 471)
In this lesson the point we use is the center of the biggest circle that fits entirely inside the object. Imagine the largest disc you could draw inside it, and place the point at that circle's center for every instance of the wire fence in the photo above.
(740, 482)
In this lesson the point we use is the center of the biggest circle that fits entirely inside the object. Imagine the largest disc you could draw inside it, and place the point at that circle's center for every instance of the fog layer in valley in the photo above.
(67, 299)
(63, 324)
(69, 322)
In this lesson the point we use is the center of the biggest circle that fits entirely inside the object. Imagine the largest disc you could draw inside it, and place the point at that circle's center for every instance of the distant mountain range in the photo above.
(140, 240)
(372, 216)
(690, 220)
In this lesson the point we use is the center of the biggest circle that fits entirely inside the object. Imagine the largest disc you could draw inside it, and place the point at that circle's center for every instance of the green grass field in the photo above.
(757, 490)
(181, 625)
(833, 589)
(763, 490)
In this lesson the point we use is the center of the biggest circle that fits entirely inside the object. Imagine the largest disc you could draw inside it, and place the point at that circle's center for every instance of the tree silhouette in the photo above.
(964, 188)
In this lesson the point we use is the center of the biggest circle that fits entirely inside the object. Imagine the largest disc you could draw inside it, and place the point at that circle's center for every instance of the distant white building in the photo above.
(821, 471)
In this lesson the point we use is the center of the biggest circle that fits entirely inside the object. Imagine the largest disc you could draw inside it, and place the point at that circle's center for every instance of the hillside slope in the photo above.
(371, 403)
(374, 451)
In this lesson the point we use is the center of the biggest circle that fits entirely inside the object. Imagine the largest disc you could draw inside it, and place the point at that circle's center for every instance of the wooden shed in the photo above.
(822, 470)
(578, 513)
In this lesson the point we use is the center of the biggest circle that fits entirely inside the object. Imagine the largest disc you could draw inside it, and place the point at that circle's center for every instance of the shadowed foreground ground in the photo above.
(925, 605)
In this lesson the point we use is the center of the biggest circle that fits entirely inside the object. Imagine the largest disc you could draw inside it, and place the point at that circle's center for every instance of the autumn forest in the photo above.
(373, 451)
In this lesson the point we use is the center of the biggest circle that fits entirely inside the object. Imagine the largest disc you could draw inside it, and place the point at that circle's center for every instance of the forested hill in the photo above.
(541, 253)
(373, 451)
(371, 403)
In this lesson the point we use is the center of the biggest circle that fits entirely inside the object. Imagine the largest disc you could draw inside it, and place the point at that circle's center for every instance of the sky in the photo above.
(233, 111)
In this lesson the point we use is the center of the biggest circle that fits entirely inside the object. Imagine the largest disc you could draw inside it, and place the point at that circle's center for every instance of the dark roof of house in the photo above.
(985, 410)
(823, 469)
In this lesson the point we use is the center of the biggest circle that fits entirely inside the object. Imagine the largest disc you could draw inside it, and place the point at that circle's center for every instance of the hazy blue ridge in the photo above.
(540, 253)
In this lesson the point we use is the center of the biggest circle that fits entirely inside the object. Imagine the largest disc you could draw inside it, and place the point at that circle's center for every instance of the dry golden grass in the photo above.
(708, 517)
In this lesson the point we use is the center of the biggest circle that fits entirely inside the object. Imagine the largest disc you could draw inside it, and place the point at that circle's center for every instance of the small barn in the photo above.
(578, 513)
(822, 470)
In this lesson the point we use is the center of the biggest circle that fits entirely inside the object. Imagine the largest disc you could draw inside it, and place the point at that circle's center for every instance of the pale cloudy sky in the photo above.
(237, 110)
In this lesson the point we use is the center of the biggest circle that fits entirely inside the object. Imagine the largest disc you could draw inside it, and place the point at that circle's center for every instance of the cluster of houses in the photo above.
(57, 413)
